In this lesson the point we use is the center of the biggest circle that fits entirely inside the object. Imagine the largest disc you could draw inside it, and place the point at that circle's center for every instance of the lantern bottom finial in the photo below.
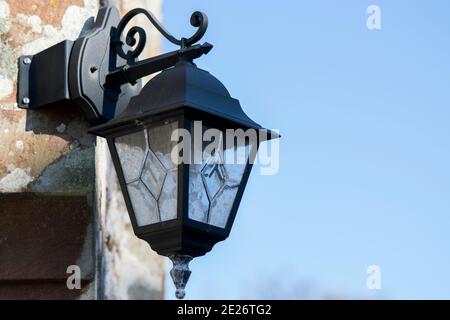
(180, 273)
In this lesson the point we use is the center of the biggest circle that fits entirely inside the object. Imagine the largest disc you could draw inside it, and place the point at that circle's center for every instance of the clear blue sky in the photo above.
(365, 155)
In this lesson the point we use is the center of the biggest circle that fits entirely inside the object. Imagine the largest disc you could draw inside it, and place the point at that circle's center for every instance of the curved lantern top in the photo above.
(183, 86)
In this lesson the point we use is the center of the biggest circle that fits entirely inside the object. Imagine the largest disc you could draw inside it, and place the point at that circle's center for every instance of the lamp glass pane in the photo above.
(144, 204)
(164, 170)
(131, 150)
(150, 175)
(213, 184)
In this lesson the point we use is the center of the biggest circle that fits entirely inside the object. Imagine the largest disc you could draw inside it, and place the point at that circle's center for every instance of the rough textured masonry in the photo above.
(47, 158)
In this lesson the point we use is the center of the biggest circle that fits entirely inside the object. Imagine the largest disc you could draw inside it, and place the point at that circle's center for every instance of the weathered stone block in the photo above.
(42, 234)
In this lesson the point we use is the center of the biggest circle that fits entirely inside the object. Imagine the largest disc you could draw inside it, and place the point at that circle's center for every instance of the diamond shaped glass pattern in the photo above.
(152, 178)
(153, 174)
(213, 175)
(212, 201)
(150, 174)
(164, 172)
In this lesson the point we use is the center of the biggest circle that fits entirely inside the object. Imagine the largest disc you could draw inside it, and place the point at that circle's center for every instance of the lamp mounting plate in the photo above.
(33, 91)
(92, 59)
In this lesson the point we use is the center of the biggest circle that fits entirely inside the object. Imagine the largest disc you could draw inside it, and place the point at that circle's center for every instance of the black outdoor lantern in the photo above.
(181, 193)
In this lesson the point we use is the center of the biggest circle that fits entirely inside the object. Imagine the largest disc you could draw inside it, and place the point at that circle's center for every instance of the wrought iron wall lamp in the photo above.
(180, 209)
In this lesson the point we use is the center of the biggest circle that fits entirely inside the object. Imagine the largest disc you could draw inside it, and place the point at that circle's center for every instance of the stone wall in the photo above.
(43, 150)
(46, 156)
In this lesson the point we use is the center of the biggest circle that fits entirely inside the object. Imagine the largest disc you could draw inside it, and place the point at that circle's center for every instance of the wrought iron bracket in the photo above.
(100, 72)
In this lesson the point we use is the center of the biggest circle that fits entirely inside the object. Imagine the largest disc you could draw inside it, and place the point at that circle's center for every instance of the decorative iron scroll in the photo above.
(198, 20)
